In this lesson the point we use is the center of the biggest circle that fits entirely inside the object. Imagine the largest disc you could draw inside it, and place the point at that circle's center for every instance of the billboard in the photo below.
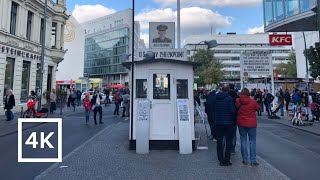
(256, 63)
(162, 35)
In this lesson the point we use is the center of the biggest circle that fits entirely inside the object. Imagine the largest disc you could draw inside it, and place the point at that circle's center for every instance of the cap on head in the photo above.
(162, 27)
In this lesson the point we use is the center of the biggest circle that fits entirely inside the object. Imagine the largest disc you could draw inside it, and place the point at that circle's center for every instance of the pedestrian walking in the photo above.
(280, 102)
(96, 106)
(79, 97)
(268, 98)
(287, 99)
(126, 102)
(209, 111)
(9, 102)
(68, 97)
(247, 122)
(234, 94)
(87, 106)
(117, 101)
(258, 98)
(224, 112)
(53, 99)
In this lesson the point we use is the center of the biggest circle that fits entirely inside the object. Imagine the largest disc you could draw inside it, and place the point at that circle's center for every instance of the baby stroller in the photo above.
(274, 110)
(301, 117)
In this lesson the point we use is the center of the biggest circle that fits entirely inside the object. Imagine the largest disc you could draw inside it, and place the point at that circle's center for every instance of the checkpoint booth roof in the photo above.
(166, 87)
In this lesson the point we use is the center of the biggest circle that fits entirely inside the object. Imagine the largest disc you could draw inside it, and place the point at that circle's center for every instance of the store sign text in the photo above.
(280, 39)
(19, 53)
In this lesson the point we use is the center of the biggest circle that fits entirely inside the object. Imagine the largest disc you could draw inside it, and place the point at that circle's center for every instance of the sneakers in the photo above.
(254, 164)
(225, 163)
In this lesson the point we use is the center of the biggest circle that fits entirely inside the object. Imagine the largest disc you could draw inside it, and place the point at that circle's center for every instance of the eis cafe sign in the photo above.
(280, 39)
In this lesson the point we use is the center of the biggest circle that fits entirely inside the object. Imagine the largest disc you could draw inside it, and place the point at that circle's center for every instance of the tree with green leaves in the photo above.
(209, 69)
(313, 56)
(288, 69)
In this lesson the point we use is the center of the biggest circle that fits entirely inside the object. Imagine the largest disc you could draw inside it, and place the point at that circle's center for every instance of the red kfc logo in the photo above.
(280, 39)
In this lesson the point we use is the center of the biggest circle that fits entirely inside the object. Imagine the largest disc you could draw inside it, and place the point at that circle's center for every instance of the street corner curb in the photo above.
(311, 132)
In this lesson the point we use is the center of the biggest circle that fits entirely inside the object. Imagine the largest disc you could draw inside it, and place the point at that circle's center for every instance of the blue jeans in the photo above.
(87, 115)
(9, 115)
(244, 133)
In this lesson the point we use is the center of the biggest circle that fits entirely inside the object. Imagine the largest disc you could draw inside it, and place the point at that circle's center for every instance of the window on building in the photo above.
(41, 29)
(53, 35)
(13, 19)
(141, 85)
(25, 81)
(9, 75)
(182, 88)
(278, 13)
(161, 86)
(29, 24)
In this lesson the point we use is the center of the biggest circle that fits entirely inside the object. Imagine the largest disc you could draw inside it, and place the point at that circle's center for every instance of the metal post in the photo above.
(307, 68)
(178, 24)
(132, 81)
(43, 46)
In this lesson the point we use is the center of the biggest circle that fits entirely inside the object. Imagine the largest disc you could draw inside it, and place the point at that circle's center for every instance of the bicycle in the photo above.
(32, 113)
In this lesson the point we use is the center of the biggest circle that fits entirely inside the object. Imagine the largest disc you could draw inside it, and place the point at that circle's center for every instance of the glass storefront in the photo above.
(9, 75)
(276, 10)
(103, 53)
(25, 81)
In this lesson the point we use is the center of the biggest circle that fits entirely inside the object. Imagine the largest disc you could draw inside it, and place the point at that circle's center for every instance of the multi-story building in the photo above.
(107, 40)
(21, 29)
(230, 46)
(294, 16)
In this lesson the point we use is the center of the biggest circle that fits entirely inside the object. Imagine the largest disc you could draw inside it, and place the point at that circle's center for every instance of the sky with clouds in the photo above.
(197, 16)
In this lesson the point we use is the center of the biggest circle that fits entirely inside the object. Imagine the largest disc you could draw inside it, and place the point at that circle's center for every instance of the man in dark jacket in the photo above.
(209, 112)
(224, 112)
(233, 93)
(96, 106)
(9, 102)
(287, 98)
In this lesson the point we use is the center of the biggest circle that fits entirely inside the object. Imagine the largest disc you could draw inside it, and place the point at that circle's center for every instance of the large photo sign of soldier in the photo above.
(161, 35)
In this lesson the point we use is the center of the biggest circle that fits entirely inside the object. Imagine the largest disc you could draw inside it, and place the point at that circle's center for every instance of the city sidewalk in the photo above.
(106, 156)
(314, 129)
(11, 127)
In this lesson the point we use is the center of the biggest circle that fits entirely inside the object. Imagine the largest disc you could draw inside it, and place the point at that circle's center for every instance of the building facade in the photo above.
(107, 40)
(21, 29)
(290, 15)
(295, 16)
(72, 65)
(230, 46)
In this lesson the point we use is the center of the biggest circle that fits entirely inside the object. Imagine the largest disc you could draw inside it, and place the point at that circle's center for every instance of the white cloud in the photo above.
(255, 30)
(145, 37)
(84, 13)
(205, 3)
(194, 20)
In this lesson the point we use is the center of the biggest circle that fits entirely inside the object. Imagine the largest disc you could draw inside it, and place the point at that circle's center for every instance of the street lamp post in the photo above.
(211, 44)
(307, 68)
(132, 81)
(43, 46)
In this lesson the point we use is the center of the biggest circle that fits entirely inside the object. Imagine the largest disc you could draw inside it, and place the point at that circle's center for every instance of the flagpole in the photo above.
(178, 24)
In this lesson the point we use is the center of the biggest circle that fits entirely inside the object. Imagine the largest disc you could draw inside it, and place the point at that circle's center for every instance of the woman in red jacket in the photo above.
(247, 123)
(87, 106)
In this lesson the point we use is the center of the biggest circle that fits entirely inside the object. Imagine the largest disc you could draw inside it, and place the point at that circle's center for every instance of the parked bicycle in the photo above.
(32, 113)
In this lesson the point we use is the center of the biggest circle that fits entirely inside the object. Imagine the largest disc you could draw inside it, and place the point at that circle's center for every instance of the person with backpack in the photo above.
(268, 98)
(287, 98)
(117, 100)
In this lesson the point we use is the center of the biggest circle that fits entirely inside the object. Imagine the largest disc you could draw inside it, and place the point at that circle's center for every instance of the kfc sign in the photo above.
(280, 39)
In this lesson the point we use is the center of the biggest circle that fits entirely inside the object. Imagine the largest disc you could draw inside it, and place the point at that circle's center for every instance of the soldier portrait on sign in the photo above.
(161, 35)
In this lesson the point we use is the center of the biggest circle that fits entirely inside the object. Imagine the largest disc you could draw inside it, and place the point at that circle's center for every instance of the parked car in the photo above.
(91, 94)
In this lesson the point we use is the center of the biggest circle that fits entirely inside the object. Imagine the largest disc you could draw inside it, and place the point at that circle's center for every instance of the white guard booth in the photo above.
(163, 107)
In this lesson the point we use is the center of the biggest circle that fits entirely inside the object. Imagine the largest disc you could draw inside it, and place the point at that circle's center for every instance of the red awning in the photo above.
(116, 86)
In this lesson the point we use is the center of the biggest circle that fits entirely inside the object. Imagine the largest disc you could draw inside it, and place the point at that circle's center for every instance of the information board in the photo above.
(257, 63)
(183, 110)
(143, 110)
